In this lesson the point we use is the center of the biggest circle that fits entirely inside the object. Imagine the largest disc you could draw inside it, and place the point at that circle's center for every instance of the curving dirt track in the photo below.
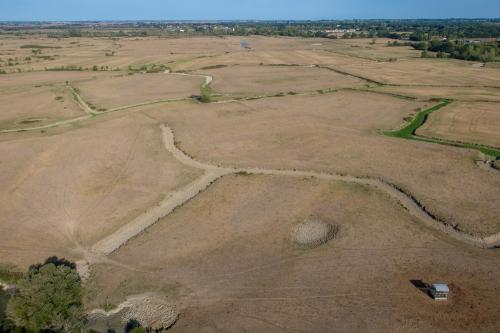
(179, 197)
(212, 173)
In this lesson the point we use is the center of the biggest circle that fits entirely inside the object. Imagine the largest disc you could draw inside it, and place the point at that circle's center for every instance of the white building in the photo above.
(440, 291)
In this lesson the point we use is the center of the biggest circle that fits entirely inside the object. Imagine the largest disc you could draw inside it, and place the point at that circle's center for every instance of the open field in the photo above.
(372, 49)
(111, 92)
(36, 105)
(39, 98)
(227, 257)
(61, 192)
(466, 122)
(196, 200)
(433, 72)
(244, 80)
(466, 94)
(343, 127)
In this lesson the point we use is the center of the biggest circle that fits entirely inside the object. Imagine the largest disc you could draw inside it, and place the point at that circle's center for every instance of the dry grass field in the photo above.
(63, 191)
(199, 203)
(468, 94)
(466, 122)
(244, 80)
(27, 106)
(227, 259)
(372, 49)
(112, 92)
(434, 72)
(38, 98)
(340, 133)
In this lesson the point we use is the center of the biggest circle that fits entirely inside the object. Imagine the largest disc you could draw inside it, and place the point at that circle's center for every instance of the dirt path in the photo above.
(91, 113)
(81, 103)
(488, 166)
(179, 197)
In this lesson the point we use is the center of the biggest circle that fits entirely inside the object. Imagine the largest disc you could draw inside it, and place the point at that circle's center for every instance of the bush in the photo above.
(48, 297)
(9, 273)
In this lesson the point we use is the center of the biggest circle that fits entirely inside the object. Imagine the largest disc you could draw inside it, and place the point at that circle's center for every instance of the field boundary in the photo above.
(409, 132)
(178, 198)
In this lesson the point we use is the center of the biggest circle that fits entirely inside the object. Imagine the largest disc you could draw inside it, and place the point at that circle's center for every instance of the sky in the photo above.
(76, 10)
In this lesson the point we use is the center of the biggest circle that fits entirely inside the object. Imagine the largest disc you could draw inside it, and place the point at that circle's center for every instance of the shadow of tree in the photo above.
(133, 326)
(56, 261)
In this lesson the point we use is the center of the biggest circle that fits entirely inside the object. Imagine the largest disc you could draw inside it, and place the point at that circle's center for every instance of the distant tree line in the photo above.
(459, 49)
(415, 30)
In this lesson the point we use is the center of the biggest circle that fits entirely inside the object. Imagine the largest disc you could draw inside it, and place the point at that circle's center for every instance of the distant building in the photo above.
(440, 291)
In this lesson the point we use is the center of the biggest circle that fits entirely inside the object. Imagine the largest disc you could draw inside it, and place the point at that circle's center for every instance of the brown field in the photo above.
(365, 49)
(63, 191)
(226, 258)
(466, 122)
(112, 92)
(38, 98)
(26, 107)
(340, 133)
(241, 80)
(208, 228)
(468, 94)
(434, 72)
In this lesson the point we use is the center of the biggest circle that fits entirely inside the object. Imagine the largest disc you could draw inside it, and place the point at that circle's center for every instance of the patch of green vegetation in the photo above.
(9, 273)
(138, 330)
(206, 93)
(243, 173)
(36, 46)
(405, 97)
(49, 297)
(213, 67)
(149, 68)
(109, 307)
(45, 57)
(65, 68)
(409, 132)
(30, 121)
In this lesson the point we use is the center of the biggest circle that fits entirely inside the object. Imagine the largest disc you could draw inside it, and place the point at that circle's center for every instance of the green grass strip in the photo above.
(409, 132)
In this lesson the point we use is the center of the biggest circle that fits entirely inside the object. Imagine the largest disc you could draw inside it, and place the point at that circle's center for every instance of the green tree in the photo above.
(49, 297)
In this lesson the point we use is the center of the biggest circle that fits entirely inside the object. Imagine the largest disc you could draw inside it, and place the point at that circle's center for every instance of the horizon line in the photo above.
(250, 20)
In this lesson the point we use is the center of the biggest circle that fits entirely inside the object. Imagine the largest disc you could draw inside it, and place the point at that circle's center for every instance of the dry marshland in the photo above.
(111, 92)
(262, 80)
(467, 122)
(72, 179)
